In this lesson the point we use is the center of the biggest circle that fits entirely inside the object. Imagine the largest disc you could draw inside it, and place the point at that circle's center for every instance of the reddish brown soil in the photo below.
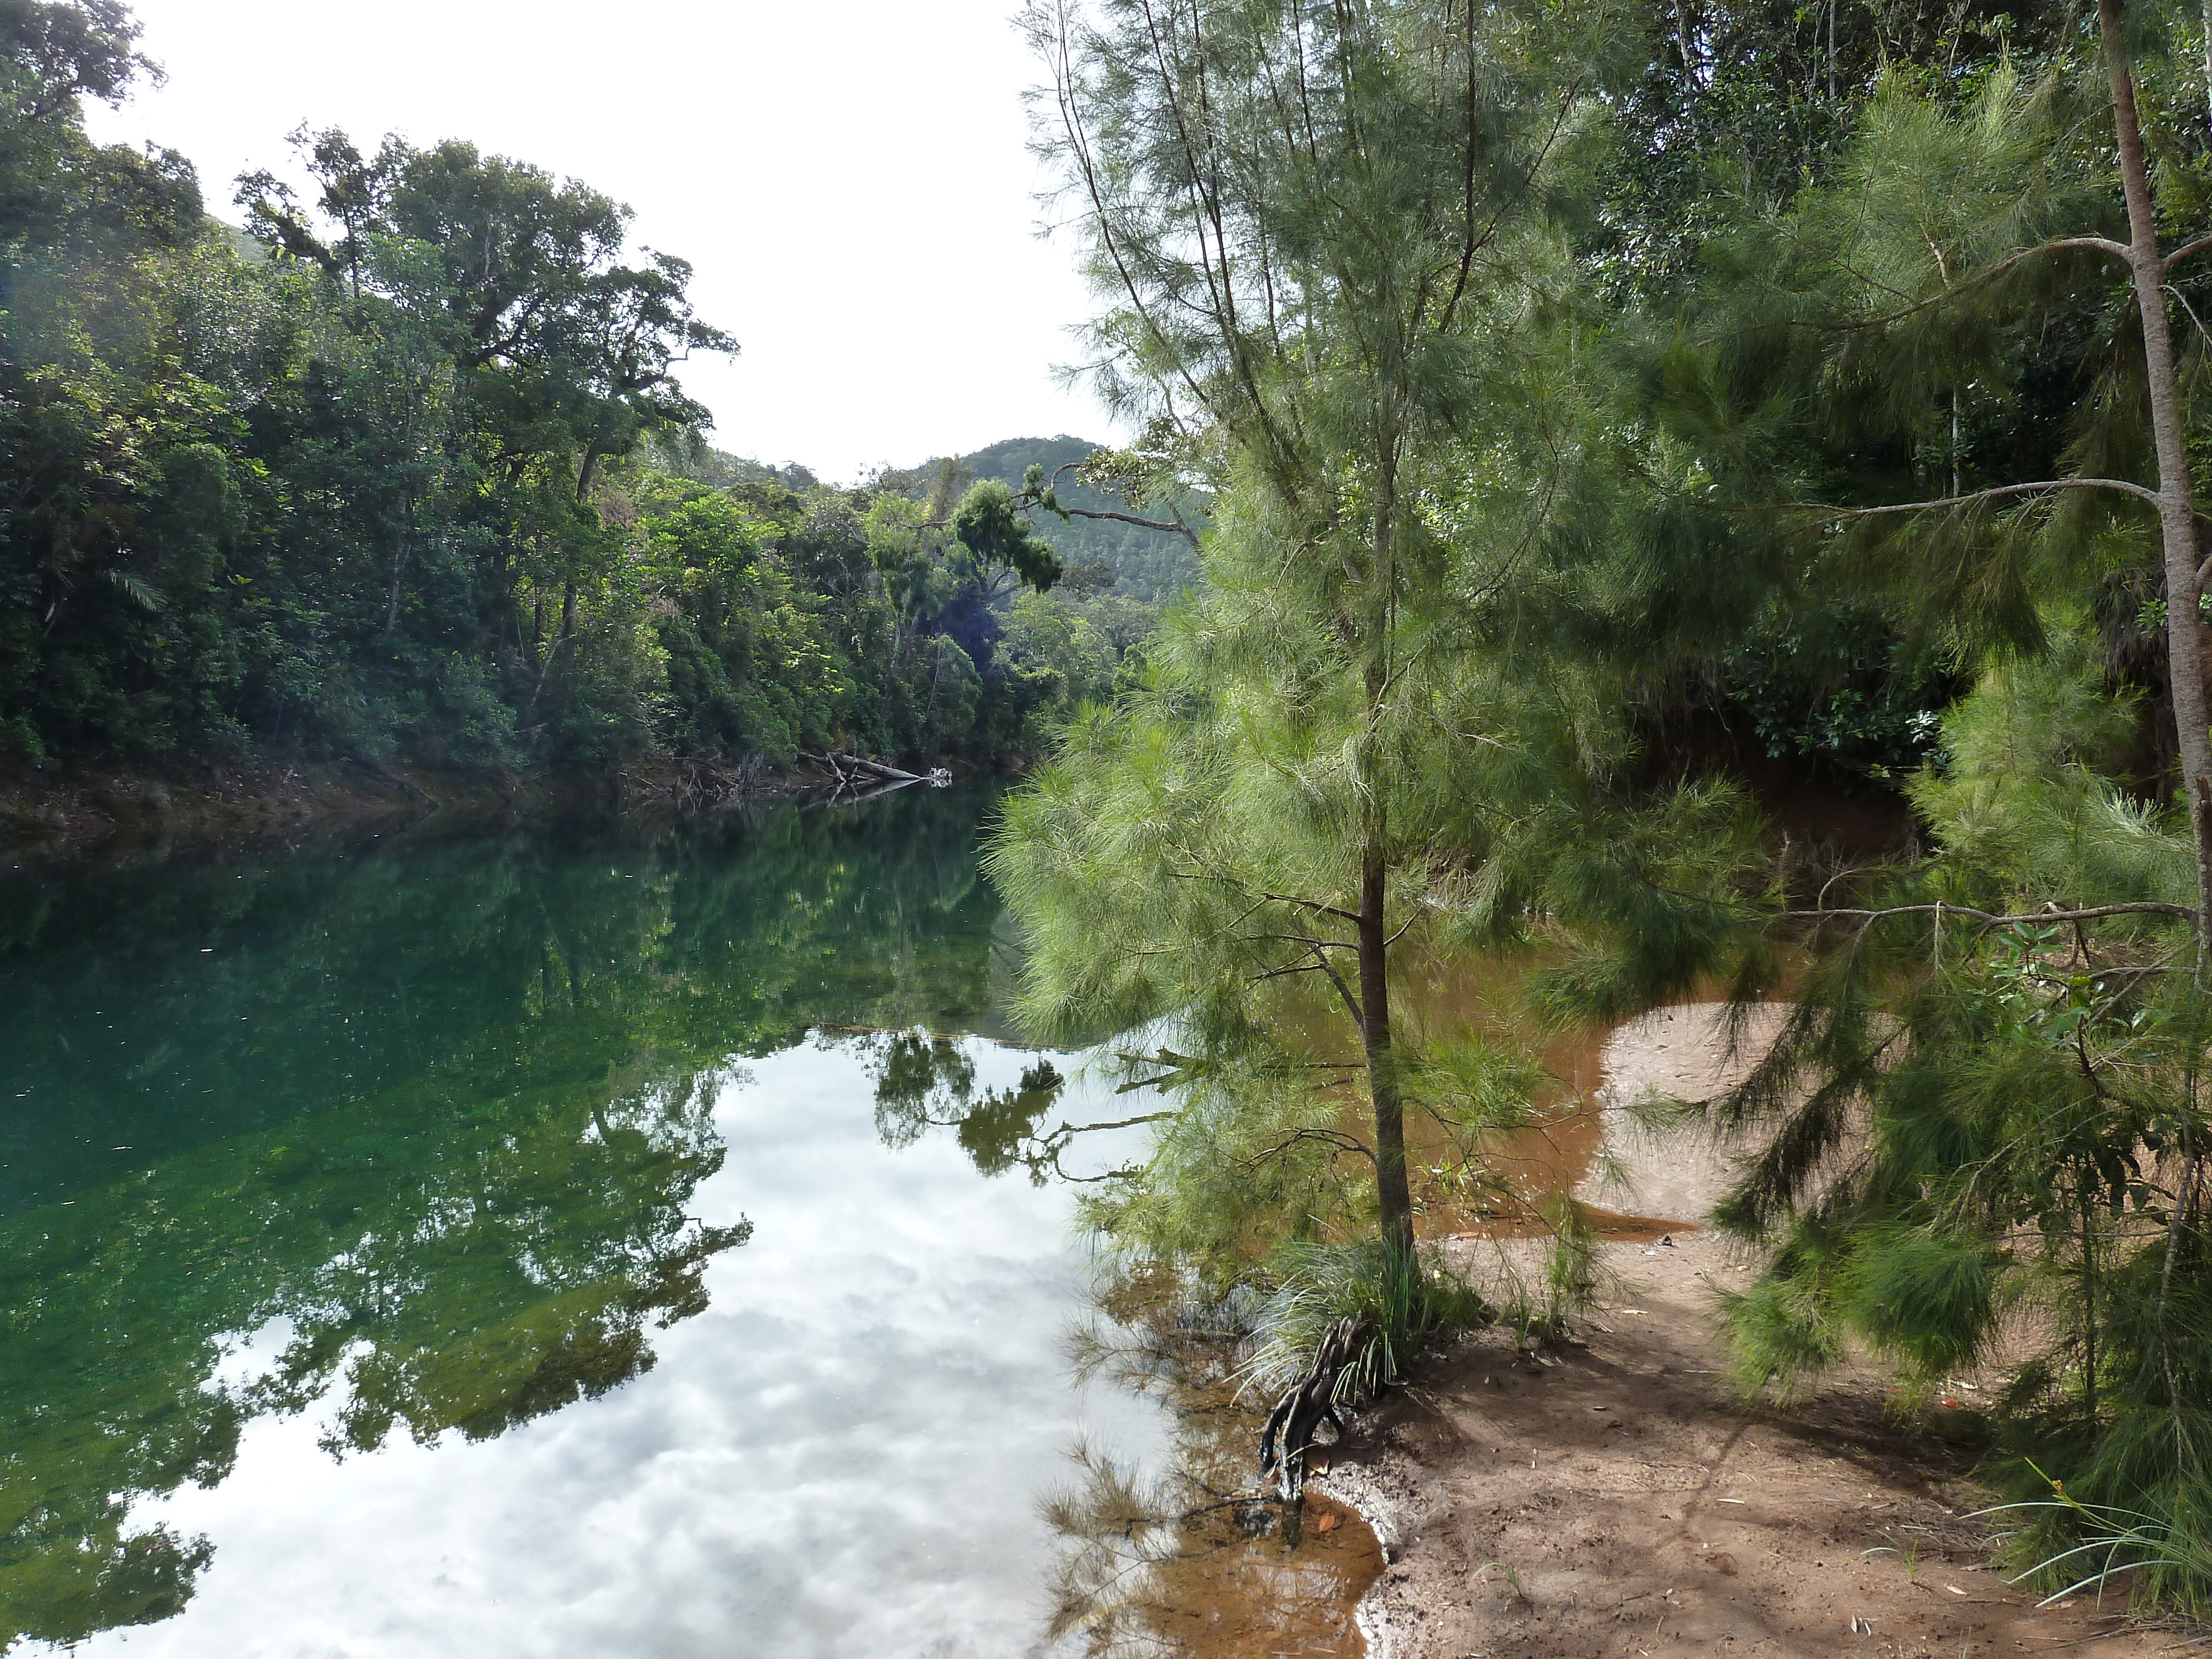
(1626, 1501)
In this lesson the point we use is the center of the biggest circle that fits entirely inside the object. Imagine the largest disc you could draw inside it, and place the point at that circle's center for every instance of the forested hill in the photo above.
(355, 485)
(1152, 566)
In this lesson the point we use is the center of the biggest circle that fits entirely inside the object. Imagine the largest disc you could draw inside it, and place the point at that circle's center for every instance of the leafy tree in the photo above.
(1313, 292)
(393, 479)
(1961, 254)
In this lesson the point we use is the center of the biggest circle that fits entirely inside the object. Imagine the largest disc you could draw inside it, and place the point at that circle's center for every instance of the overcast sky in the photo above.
(849, 180)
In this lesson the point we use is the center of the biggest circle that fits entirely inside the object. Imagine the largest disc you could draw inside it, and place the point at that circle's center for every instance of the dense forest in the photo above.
(1566, 433)
(404, 472)
(1614, 421)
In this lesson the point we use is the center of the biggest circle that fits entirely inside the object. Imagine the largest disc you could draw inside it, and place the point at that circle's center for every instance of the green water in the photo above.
(502, 1245)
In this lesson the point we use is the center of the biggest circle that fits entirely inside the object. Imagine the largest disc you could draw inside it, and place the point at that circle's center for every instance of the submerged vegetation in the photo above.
(1617, 423)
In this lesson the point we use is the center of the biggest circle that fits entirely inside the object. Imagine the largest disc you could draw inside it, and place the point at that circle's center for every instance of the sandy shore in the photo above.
(1620, 1497)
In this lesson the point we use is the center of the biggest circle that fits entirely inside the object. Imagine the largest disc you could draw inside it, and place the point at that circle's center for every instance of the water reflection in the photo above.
(925, 1081)
(431, 1121)
(369, 1278)
(1185, 1551)
(1195, 1557)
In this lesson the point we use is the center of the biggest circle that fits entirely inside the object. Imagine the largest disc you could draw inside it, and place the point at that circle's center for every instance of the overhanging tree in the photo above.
(1311, 224)
(1954, 234)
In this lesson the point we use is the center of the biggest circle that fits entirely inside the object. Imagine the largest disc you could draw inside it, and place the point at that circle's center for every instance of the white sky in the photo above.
(849, 180)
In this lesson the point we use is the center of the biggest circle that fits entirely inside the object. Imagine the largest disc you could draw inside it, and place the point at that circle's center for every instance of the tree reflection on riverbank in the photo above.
(1192, 1558)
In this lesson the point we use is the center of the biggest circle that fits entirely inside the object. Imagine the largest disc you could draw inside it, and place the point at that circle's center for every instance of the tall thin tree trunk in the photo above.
(398, 563)
(1394, 1197)
(2088, 1307)
(567, 631)
(2177, 503)
(1391, 1190)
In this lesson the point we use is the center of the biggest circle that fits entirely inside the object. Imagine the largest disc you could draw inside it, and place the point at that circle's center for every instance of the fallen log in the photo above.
(875, 769)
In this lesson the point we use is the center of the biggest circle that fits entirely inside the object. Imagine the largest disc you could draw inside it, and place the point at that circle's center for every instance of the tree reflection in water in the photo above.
(421, 1125)
(1195, 1559)
(925, 1081)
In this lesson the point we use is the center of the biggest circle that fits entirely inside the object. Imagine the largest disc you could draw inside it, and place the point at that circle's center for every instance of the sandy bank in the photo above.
(1624, 1499)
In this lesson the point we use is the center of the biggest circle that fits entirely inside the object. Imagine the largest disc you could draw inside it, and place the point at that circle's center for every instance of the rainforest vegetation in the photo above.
(400, 468)
(1607, 409)
(1557, 424)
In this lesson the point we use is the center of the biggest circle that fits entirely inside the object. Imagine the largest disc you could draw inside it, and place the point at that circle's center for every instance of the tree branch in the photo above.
(1176, 524)
(2045, 487)
(1351, 1002)
(1336, 1138)
(2098, 244)
(1313, 904)
(2184, 252)
(1988, 918)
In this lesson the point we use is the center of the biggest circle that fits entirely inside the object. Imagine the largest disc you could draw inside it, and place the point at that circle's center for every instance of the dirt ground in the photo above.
(1620, 1497)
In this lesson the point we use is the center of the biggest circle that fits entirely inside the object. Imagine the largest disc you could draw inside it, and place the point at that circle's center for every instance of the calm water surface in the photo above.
(536, 1244)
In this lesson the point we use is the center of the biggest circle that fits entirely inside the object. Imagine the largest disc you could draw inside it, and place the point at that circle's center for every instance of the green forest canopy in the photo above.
(1591, 408)
(368, 482)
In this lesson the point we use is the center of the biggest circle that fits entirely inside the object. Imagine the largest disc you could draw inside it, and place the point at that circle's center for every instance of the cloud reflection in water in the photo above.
(842, 1456)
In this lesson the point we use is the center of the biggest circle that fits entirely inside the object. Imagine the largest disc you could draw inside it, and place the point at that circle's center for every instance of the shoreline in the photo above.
(1622, 1496)
(53, 818)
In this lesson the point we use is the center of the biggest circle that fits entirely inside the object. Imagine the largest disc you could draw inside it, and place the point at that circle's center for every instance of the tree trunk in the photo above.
(1391, 1192)
(567, 629)
(1393, 1197)
(398, 563)
(2177, 504)
(2207, 58)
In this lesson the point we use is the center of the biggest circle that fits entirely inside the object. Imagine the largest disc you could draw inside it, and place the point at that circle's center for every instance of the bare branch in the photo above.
(1174, 525)
(1336, 1138)
(1313, 904)
(2098, 244)
(1278, 972)
(1351, 1002)
(1990, 919)
(2184, 252)
(2047, 486)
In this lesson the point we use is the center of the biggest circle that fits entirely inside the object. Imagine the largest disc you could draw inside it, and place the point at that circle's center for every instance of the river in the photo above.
(621, 1241)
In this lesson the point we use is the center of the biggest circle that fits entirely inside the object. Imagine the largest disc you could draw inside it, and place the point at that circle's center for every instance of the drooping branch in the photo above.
(1312, 904)
(1048, 1147)
(1351, 1002)
(1336, 1138)
(1992, 919)
(1981, 278)
(2045, 487)
(1174, 525)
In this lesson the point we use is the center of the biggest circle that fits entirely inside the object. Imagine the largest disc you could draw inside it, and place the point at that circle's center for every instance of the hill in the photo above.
(1153, 566)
